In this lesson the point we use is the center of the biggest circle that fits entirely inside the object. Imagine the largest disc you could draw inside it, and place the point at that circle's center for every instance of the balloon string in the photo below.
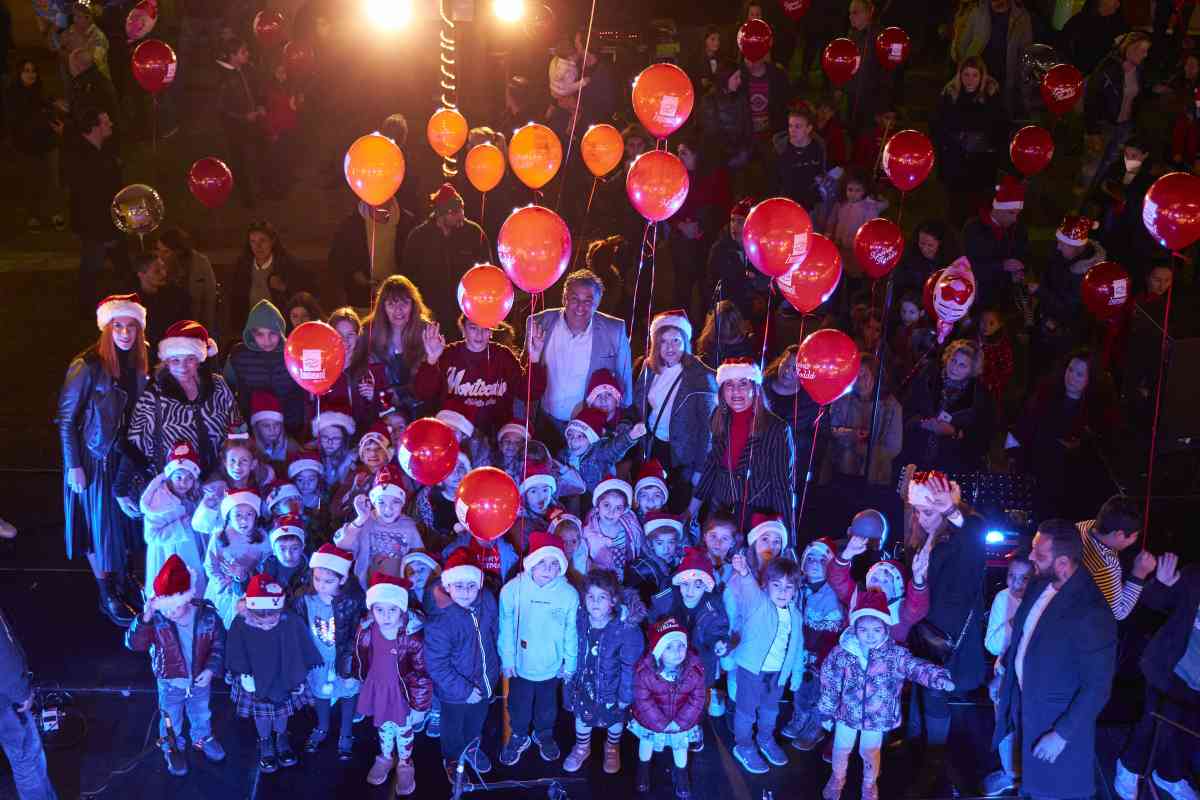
(587, 43)
(796, 421)
(653, 272)
(638, 279)
(1162, 361)
(812, 452)
(533, 298)
(371, 251)
(583, 225)
(482, 209)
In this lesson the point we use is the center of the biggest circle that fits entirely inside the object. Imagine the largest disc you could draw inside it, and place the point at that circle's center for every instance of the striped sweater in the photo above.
(1104, 565)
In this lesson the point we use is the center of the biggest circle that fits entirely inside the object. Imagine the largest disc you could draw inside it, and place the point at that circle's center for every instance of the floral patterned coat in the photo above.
(862, 691)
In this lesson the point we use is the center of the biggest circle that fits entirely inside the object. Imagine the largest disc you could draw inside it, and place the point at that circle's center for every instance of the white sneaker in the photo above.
(1126, 783)
(1179, 790)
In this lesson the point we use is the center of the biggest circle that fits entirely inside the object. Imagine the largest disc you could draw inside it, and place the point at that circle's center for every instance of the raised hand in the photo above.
(856, 545)
(535, 341)
(1168, 569)
(362, 509)
(434, 342)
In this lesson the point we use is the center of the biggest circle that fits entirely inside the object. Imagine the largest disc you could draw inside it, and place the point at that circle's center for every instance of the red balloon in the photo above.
(891, 47)
(269, 28)
(754, 39)
(153, 64)
(534, 247)
(657, 184)
(927, 292)
(776, 235)
(1171, 211)
(795, 9)
(908, 159)
(663, 98)
(486, 502)
(1062, 86)
(1031, 149)
(840, 61)
(300, 58)
(210, 181)
(1105, 290)
(878, 246)
(315, 356)
(428, 451)
(811, 282)
(827, 364)
(485, 295)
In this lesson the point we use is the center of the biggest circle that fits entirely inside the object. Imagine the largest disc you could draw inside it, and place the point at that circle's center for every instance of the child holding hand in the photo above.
(592, 452)
(380, 531)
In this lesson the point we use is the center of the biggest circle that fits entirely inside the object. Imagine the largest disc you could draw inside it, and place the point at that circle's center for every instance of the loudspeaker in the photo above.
(1179, 424)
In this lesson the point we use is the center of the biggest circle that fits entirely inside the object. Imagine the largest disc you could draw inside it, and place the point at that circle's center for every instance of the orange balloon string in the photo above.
(482, 209)
(796, 515)
(583, 225)
(638, 279)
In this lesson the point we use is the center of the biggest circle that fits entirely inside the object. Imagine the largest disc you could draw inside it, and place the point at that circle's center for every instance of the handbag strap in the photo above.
(653, 434)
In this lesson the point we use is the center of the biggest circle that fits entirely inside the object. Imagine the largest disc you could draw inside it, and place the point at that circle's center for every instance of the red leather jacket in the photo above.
(410, 664)
(658, 702)
(161, 638)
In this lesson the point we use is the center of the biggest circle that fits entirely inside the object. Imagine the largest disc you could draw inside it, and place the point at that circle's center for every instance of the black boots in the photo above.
(683, 787)
(283, 751)
(642, 784)
(266, 756)
(111, 603)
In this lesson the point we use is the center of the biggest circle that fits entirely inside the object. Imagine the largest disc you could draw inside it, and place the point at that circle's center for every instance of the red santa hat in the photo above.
(186, 338)
(537, 473)
(1075, 230)
(337, 414)
(288, 525)
(696, 565)
(460, 567)
(871, 603)
(516, 427)
(557, 515)
(445, 199)
(1010, 195)
(765, 523)
(173, 585)
(182, 457)
(236, 433)
(660, 522)
(664, 633)
(420, 557)
(544, 545)
(379, 434)
(823, 548)
(612, 484)
(384, 398)
(652, 475)
(603, 381)
(589, 422)
(302, 462)
(280, 490)
(120, 305)
(920, 487)
(386, 588)
(675, 318)
(890, 576)
(388, 482)
(736, 369)
(264, 593)
(333, 558)
(265, 406)
(742, 208)
(240, 497)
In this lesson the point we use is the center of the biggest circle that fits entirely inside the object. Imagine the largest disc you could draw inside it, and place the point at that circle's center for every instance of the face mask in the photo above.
(1132, 165)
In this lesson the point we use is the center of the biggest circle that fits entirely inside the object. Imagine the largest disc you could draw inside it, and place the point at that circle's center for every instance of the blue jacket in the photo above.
(709, 625)
(460, 648)
(537, 627)
(600, 459)
(755, 622)
(610, 347)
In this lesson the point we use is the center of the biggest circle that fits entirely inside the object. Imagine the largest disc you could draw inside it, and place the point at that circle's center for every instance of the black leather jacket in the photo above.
(91, 410)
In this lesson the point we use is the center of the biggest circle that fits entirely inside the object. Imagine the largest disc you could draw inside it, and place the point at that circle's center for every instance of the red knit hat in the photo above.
(1075, 230)
(695, 565)
(265, 406)
(871, 603)
(263, 593)
(386, 588)
(1010, 195)
(173, 584)
(333, 558)
(544, 545)
(665, 632)
(652, 475)
(763, 523)
(603, 380)
(589, 422)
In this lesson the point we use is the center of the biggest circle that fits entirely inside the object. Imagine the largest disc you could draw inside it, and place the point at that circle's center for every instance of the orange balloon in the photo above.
(485, 166)
(657, 184)
(374, 168)
(535, 154)
(447, 132)
(602, 148)
(485, 295)
(534, 246)
(663, 99)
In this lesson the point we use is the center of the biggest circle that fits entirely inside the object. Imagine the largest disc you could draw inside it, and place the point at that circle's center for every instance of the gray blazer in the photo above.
(610, 347)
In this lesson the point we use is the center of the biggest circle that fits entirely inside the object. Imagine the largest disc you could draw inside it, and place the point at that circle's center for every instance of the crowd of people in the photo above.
(247, 533)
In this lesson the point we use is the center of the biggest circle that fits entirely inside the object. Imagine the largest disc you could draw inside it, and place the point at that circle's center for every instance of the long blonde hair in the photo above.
(378, 340)
(106, 348)
(987, 84)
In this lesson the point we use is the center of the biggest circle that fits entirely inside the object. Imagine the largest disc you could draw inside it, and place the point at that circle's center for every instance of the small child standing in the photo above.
(537, 645)
(590, 451)
(186, 641)
(601, 691)
(650, 492)
(996, 640)
(651, 572)
(396, 689)
(266, 423)
(234, 551)
(380, 531)
(824, 620)
(270, 654)
(860, 689)
(668, 700)
(419, 567)
(167, 505)
(997, 358)
(331, 608)
(855, 205)
(611, 530)
(241, 467)
(286, 562)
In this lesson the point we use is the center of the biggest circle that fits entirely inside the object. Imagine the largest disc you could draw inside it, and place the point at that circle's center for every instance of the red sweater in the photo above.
(997, 367)
(487, 382)
(739, 434)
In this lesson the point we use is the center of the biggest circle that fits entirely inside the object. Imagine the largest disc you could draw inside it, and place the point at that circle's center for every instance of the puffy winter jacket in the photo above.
(347, 612)
(710, 624)
(460, 648)
(410, 665)
(621, 645)
(657, 702)
(537, 627)
(161, 638)
(249, 368)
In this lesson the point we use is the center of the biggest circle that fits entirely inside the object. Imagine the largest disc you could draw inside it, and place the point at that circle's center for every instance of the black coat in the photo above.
(436, 263)
(968, 133)
(725, 122)
(797, 171)
(691, 411)
(94, 178)
(780, 94)
(621, 645)
(1068, 671)
(1088, 37)
(1106, 88)
(710, 624)
(350, 253)
(972, 414)
(1170, 643)
(987, 251)
(956, 569)
(460, 648)
(28, 115)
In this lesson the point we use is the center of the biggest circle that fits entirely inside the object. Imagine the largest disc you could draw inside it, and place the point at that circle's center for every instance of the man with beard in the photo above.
(440, 249)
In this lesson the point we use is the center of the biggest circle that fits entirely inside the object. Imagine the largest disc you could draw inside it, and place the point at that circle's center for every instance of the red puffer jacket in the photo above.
(410, 664)
(658, 702)
(161, 638)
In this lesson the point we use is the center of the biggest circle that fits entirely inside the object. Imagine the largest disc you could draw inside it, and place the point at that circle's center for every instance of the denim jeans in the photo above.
(22, 744)
(173, 701)
(758, 700)
(462, 723)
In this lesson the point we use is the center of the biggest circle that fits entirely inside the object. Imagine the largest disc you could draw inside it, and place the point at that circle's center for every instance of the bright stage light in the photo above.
(994, 537)
(389, 15)
(509, 10)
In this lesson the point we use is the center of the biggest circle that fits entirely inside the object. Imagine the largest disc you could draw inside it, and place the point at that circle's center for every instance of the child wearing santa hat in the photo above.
(266, 423)
(539, 494)
(234, 551)
(461, 419)
(287, 562)
(380, 531)
(611, 530)
(908, 601)
(604, 395)
(590, 451)
(650, 492)
(668, 700)
(374, 453)
(861, 681)
(241, 465)
(497, 558)
(270, 654)
(651, 572)
(537, 645)
(331, 430)
(186, 639)
(331, 607)
(167, 505)
(396, 688)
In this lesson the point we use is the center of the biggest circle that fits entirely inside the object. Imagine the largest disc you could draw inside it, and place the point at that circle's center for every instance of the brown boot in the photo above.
(579, 754)
(612, 757)
(380, 770)
(406, 778)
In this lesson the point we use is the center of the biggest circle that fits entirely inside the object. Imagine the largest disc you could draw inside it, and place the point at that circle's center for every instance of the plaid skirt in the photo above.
(676, 740)
(246, 706)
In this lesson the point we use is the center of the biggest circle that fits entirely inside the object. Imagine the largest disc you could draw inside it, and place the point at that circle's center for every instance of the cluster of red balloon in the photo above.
(657, 183)
(840, 60)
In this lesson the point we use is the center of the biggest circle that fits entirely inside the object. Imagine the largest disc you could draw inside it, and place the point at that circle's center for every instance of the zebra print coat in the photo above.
(164, 416)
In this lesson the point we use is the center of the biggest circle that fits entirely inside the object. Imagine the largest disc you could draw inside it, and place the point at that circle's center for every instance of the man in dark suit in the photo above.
(1058, 670)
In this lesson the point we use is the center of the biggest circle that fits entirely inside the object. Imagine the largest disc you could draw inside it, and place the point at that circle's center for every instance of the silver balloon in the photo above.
(1036, 61)
(138, 209)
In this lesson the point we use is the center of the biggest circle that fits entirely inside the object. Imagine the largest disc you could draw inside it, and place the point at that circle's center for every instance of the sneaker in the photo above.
(479, 760)
(283, 751)
(548, 748)
(576, 758)
(345, 748)
(773, 753)
(697, 746)
(1126, 783)
(1179, 790)
(511, 752)
(749, 758)
(433, 726)
(211, 749)
(176, 759)
(997, 783)
(266, 756)
(315, 739)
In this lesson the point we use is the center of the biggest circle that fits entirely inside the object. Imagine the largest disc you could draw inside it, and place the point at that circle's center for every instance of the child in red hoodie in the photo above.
(283, 104)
